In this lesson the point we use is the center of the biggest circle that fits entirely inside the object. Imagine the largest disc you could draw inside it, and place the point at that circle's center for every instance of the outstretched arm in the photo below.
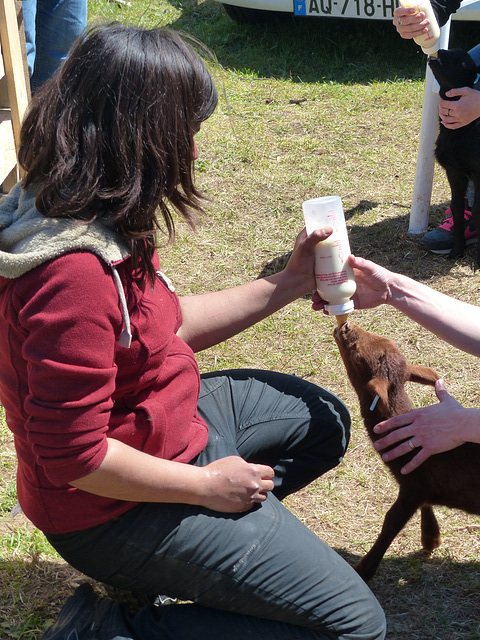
(214, 317)
(454, 321)
(447, 424)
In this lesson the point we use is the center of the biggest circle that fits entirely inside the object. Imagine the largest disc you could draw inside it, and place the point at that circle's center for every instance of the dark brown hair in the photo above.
(111, 134)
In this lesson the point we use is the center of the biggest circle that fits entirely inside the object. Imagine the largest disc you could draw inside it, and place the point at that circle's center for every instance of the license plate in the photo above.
(372, 9)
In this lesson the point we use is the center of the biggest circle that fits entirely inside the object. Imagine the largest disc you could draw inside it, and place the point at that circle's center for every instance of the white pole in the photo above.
(422, 189)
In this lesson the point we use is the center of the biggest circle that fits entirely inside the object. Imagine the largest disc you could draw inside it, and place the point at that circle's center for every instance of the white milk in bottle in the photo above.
(333, 276)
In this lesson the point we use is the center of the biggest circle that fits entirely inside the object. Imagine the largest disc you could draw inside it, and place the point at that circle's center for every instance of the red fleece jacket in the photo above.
(66, 383)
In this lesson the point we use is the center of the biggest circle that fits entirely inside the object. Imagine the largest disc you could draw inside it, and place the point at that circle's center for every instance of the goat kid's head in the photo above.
(453, 68)
(376, 367)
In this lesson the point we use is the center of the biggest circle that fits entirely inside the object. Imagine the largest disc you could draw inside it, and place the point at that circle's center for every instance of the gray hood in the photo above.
(28, 239)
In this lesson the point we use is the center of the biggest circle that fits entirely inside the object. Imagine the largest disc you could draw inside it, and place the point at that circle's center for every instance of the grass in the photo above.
(307, 108)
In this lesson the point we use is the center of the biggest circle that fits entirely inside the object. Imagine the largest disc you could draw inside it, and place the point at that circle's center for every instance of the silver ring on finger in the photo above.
(400, 22)
(448, 112)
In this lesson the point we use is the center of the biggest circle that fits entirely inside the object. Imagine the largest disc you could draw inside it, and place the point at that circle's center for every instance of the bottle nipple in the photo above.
(341, 319)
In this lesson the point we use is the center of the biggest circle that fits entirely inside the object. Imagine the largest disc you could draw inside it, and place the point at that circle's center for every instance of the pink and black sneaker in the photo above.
(440, 240)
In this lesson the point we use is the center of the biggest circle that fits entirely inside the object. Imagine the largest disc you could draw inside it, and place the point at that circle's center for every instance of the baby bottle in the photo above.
(428, 41)
(333, 276)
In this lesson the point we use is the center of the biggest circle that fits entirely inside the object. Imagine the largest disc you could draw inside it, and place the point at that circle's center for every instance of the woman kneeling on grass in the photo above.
(143, 474)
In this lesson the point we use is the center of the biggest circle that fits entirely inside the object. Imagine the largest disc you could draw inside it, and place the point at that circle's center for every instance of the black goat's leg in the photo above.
(395, 519)
(431, 538)
(476, 210)
(458, 184)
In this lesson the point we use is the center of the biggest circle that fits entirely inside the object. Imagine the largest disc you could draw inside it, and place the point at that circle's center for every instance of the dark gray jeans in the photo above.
(260, 574)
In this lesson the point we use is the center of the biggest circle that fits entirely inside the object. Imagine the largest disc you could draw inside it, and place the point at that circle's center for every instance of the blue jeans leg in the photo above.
(51, 26)
(29, 10)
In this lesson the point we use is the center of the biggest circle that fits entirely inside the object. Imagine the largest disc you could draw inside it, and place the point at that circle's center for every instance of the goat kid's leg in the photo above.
(396, 518)
(431, 538)
(458, 185)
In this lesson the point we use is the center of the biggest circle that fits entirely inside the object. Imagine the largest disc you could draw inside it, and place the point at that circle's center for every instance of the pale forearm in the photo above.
(214, 317)
(454, 321)
(469, 425)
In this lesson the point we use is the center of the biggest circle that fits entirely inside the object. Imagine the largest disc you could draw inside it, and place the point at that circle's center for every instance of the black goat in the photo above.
(458, 150)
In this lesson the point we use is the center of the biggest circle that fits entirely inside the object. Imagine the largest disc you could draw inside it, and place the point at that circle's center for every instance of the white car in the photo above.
(261, 10)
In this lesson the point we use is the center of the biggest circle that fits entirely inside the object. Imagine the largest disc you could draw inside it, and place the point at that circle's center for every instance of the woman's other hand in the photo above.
(302, 259)
(233, 485)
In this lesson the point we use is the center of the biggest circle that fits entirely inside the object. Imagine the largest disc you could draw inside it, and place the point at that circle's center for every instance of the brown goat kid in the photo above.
(378, 372)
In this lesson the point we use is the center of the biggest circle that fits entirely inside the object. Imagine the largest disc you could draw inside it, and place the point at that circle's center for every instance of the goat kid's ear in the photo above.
(378, 388)
(423, 375)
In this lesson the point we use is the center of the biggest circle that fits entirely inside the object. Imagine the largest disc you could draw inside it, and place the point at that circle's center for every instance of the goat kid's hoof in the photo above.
(430, 544)
(364, 572)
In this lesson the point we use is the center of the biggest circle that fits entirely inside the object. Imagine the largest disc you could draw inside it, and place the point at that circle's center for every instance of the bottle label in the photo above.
(332, 279)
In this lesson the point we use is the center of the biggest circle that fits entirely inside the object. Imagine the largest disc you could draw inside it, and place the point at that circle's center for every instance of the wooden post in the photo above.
(14, 89)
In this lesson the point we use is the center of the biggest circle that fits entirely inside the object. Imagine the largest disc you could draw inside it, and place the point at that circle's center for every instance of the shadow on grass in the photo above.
(408, 568)
(31, 594)
(311, 50)
(416, 591)
(388, 243)
(427, 593)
